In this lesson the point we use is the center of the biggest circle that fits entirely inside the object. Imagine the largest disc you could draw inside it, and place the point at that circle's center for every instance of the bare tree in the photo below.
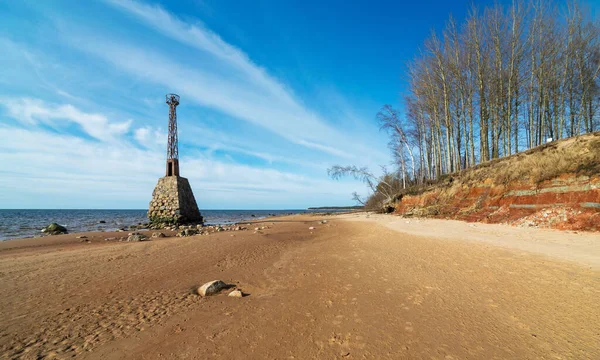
(389, 119)
(385, 185)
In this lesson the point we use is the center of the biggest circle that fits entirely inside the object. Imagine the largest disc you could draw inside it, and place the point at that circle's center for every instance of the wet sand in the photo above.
(356, 287)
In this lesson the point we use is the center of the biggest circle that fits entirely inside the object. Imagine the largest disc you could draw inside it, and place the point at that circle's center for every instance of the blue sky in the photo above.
(272, 94)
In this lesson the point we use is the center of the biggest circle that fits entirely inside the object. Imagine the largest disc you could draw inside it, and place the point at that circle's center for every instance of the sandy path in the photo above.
(578, 247)
(355, 290)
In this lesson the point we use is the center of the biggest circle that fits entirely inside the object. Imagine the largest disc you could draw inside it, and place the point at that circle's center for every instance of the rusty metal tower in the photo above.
(172, 147)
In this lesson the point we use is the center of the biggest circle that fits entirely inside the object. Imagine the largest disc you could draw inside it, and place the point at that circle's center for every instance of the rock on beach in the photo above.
(236, 293)
(211, 288)
(137, 237)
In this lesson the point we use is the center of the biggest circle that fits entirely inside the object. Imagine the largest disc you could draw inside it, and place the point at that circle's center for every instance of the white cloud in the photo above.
(198, 36)
(239, 87)
(34, 111)
(293, 123)
(150, 137)
(123, 162)
(62, 170)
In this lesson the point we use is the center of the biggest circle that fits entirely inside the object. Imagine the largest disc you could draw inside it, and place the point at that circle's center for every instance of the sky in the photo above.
(273, 93)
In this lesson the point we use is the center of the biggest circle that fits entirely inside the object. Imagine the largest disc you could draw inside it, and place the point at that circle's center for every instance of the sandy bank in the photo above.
(347, 289)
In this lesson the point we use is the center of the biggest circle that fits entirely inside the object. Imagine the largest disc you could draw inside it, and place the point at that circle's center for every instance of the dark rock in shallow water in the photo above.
(101, 222)
(55, 229)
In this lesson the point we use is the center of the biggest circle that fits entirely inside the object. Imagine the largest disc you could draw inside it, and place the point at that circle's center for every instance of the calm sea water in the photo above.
(28, 223)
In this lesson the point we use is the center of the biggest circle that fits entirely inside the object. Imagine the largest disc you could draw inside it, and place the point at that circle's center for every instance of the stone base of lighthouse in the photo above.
(173, 202)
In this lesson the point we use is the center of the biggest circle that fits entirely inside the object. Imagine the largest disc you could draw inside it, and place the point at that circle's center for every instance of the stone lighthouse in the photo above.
(173, 200)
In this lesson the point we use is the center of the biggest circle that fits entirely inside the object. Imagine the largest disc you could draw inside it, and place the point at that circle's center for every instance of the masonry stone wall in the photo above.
(173, 202)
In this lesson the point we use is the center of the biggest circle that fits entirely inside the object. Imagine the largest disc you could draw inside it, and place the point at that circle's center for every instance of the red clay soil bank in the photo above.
(569, 202)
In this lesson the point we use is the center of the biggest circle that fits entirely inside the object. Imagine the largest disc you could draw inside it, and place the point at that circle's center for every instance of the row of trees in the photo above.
(507, 79)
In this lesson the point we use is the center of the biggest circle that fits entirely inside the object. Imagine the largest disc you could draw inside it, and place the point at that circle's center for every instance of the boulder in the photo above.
(137, 237)
(211, 288)
(55, 229)
(158, 235)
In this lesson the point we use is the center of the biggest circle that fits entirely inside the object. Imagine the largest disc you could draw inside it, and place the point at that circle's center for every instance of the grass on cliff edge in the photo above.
(577, 155)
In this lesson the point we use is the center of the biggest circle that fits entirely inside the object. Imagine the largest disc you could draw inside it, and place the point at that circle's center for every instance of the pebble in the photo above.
(236, 293)
(311, 228)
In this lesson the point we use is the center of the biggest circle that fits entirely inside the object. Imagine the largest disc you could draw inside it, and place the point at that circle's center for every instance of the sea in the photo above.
(29, 223)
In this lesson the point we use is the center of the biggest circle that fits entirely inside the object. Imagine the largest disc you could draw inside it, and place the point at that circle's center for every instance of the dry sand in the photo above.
(354, 288)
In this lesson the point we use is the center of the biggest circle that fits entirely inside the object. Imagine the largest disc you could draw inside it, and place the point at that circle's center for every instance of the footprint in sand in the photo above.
(338, 320)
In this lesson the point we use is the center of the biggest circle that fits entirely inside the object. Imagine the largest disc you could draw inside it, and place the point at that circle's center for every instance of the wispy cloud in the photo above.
(150, 137)
(115, 166)
(81, 118)
(240, 89)
(198, 36)
(34, 111)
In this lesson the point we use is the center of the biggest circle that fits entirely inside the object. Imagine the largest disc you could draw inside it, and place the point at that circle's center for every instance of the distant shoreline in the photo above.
(336, 208)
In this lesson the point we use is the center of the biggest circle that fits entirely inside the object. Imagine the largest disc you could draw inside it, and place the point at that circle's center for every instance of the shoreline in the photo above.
(337, 286)
(145, 226)
(21, 224)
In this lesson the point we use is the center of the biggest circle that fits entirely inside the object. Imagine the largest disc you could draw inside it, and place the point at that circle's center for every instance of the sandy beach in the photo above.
(356, 287)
